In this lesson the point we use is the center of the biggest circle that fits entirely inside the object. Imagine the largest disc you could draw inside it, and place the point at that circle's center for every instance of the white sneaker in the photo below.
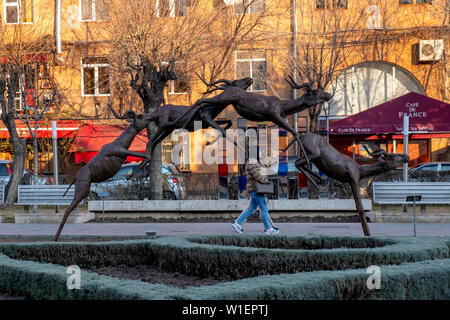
(237, 227)
(272, 231)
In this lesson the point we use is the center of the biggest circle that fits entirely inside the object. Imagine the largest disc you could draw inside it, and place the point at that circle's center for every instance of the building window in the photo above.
(171, 8)
(252, 64)
(337, 4)
(249, 6)
(94, 10)
(95, 76)
(322, 4)
(417, 1)
(340, 4)
(179, 86)
(18, 11)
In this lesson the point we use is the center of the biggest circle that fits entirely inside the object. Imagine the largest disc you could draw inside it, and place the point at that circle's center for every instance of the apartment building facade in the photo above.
(386, 49)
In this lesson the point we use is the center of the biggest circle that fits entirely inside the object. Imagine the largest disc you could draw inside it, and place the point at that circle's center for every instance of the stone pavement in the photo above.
(139, 229)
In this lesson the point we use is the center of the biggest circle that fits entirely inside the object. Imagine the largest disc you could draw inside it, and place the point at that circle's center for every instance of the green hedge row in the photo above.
(237, 257)
(418, 280)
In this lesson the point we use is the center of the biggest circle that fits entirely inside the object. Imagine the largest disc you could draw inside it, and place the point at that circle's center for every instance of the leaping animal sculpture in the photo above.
(257, 107)
(169, 117)
(108, 160)
(343, 169)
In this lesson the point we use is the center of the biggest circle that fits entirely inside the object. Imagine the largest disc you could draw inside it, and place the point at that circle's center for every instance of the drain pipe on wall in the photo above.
(294, 56)
(58, 26)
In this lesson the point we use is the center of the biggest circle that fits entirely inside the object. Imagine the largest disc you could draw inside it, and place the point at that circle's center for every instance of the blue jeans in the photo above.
(256, 200)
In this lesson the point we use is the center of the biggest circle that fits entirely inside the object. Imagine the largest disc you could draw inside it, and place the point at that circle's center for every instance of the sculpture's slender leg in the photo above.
(300, 165)
(207, 118)
(289, 144)
(359, 207)
(159, 136)
(284, 125)
(82, 186)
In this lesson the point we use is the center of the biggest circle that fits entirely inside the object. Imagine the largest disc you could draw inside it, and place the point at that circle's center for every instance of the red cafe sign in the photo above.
(425, 113)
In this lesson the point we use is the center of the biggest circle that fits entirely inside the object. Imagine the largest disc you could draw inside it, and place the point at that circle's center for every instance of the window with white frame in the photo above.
(171, 8)
(252, 64)
(95, 76)
(94, 10)
(181, 85)
(249, 6)
(18, 11)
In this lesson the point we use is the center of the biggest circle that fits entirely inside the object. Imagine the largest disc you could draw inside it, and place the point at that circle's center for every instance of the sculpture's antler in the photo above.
(214, 84)
(377, 154)
(128, 114)
(295, 85)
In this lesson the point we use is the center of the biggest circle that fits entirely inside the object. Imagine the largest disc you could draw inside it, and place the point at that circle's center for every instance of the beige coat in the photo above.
(254, 173)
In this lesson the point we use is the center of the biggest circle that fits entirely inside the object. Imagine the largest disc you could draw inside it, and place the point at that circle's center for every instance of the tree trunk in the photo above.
(155, 166)
(36, 164)
(314, 112)
(156, 177)
(19, 147)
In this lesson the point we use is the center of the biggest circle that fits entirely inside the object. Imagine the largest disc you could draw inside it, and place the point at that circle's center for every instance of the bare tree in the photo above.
(326, 39)
(244, 24)
(24, 52)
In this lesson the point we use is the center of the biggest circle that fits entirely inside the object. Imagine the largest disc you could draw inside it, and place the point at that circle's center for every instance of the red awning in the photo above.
(65, 129)
(28, 58)
(91, 138)
(425, 114)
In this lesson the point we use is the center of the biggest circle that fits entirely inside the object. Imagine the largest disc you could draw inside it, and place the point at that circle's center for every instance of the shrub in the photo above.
(311, 267)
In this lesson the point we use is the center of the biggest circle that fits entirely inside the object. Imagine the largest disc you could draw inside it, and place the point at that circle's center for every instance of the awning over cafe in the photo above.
(65, 129)
(91, 138)
(425, 114)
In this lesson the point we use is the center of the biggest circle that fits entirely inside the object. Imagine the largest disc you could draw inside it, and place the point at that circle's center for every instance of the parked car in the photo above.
(431, 167)
(118, 187)
(27, 178)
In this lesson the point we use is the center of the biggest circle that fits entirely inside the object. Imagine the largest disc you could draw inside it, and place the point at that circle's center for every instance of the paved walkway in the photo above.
(139, 229)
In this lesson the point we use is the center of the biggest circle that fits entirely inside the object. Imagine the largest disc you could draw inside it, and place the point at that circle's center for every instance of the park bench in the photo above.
(396, 193)
(2, 193)
(39, 194)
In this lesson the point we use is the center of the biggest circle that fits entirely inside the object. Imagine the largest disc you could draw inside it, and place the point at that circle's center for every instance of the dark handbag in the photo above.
(263, 188)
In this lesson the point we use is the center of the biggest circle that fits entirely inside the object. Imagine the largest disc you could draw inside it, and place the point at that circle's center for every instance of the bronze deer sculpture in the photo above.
(343, 169)
(169, 117)
(108, 160)
(257, 107)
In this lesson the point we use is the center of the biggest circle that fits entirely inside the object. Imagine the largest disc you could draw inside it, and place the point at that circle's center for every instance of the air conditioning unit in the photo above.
(431, 50)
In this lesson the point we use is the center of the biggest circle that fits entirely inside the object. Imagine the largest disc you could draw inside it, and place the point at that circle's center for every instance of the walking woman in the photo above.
(256, 172)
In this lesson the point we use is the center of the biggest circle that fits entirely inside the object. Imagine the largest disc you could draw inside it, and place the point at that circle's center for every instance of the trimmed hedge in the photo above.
(192, 255)
(408, 267)
(419, 280)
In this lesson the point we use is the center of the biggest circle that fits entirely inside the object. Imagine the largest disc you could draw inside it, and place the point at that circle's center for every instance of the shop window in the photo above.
(94, 10)
(16, 11)
(252, 64)
(95, 76)
(249, 6)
